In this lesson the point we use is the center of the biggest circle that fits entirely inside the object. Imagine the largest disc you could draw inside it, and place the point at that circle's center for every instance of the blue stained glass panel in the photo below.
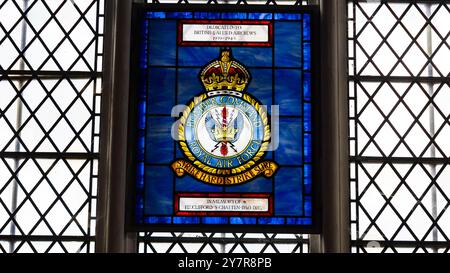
(186, 220)
(268, 155)
(253, 56)
(288, 44)
(162, 47)
(207, 15)
(307, 86)
(298, 221)
(271, 220)
(234, 15)
(156, 14)
(159, 147)
(308, 206)
(141, 119)
(306, 27)
(307, 117)
(243, 220)
(179, 153)
(140, 145)
(179, 15)
(158, 220)
(290, 146)
(214, 220)
(288, 91)
(307, 185)
(158, 190)
(143, 57)
(140, 175)
(196, 55)
(139, 210)
(307, 56)
(188, 84)
(307, 172)
(260, 16)
(288, 16)
(259, 184)
(261, 86)
(288, 191)
(161, 90)
(308, 148)
(189, 184)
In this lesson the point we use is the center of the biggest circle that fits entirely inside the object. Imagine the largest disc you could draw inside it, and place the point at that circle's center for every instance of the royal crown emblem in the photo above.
(225, 74)
(224, 132)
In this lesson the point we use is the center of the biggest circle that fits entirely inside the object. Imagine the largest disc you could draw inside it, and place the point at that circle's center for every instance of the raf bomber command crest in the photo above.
(224, 132)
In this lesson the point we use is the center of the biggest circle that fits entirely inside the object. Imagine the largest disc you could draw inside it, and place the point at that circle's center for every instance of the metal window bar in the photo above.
(431, 124)
(18, 124)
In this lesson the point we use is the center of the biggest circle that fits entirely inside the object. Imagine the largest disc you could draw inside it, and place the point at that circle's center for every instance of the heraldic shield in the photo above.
(224, 132)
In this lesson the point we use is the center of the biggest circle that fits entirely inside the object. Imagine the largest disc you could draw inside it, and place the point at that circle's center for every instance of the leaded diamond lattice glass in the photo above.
(50, 67)
(399, 106)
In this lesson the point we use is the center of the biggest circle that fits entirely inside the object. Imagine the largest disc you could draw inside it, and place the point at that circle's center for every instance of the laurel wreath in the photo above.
(264, 145)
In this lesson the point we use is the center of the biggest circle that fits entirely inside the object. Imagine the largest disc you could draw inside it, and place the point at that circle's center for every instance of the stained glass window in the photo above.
(166, 73)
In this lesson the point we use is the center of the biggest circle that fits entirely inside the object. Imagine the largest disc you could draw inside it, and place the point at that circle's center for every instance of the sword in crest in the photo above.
(224, 127)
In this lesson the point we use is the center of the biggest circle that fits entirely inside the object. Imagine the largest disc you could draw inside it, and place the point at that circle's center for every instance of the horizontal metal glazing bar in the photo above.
(424, 160)
(399, 79)
(397, 244)
(42, 73)
(49, 155)
(222, 240)
(43, 238)
(402, 1)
